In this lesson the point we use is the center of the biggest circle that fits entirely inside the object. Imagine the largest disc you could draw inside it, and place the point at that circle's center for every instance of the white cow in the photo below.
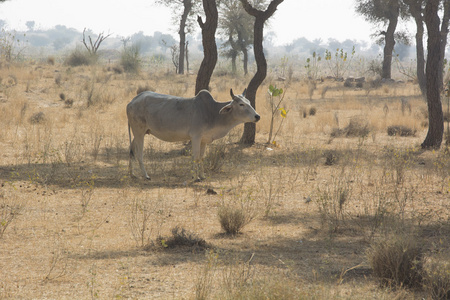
(200, 119)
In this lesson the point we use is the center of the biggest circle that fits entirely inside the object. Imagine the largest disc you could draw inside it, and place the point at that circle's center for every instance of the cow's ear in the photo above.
(231, 94)
(226, 109)
(244, 92)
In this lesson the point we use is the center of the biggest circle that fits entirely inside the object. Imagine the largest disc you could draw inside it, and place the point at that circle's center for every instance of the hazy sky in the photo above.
(294, 18)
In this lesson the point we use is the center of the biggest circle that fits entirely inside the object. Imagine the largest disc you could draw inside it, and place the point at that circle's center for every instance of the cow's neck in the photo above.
(226, 121)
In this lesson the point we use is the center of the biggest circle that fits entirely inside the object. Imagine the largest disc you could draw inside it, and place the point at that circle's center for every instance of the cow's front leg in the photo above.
(202, 154)
(197, 159)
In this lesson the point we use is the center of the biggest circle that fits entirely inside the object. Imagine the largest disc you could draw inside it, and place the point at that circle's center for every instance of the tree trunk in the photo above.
(234, 53)
(244, 51)
(233, 62)
(435, 133)
(187, 57)
(389, 45)
(187, 8)
(420, 56)
(443, 39)
(415, 8)
(209, 45)
(245, 61)
(248, 137)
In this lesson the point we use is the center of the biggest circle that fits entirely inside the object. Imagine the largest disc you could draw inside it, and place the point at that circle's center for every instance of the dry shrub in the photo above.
(68, 103)
(357, 127)
(8, 212)
(235, 215)
(51, 60)
(232, 219)
(332, 201)
(215, 157)
(331, 157)
(399, 130)
(436, 279)
(397, 261)
(37, 118)
(80, 58)
(182, 237)
(144, 88)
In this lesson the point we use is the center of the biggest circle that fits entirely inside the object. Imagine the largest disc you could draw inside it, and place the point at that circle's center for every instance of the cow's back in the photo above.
(167, 117)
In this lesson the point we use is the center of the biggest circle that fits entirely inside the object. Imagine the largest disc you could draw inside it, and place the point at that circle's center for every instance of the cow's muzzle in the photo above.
(257, 117)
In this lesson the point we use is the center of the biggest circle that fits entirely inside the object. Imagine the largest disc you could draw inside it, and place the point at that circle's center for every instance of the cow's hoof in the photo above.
(147, 177)
(199, 179)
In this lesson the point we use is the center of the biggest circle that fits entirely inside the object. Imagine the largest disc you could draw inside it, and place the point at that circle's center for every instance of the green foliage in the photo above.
(275, 106)
(313, 66)
(340, 62)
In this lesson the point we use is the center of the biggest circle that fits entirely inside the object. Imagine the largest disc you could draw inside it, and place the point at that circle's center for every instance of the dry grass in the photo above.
(81, 224)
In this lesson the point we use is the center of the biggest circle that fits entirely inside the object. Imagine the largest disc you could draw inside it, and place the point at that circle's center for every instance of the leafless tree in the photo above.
(92, 47)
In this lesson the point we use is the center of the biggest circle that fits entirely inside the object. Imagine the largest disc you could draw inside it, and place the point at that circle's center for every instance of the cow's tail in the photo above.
(129, 136)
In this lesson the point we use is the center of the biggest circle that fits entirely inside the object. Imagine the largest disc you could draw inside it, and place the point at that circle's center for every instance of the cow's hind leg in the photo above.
(137, 150)
(130, 167)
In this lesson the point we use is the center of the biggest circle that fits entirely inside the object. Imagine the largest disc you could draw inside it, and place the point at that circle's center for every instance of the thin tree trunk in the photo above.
(245, 61)
(416, 12)
(443, 39)
(244, 51)
(187, 8)
(209, 45)
(234, 53)
(389, 47)
(233, 62)
(435, 133)
(187, 57)
(248, 137)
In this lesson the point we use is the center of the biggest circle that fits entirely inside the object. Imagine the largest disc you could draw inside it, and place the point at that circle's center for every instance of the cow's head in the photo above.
(241, 108)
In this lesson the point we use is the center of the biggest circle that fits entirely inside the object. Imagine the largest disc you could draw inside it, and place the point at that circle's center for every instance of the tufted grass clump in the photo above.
(357, 127)
(235, 215)
(399, 130)
(436, 279)
(397, 262)
(182, 237)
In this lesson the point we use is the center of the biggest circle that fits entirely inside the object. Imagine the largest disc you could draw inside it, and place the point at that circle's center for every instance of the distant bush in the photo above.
(130, 59)
(51, 60)
(80, 57)
(399, 130)
(356, 128)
